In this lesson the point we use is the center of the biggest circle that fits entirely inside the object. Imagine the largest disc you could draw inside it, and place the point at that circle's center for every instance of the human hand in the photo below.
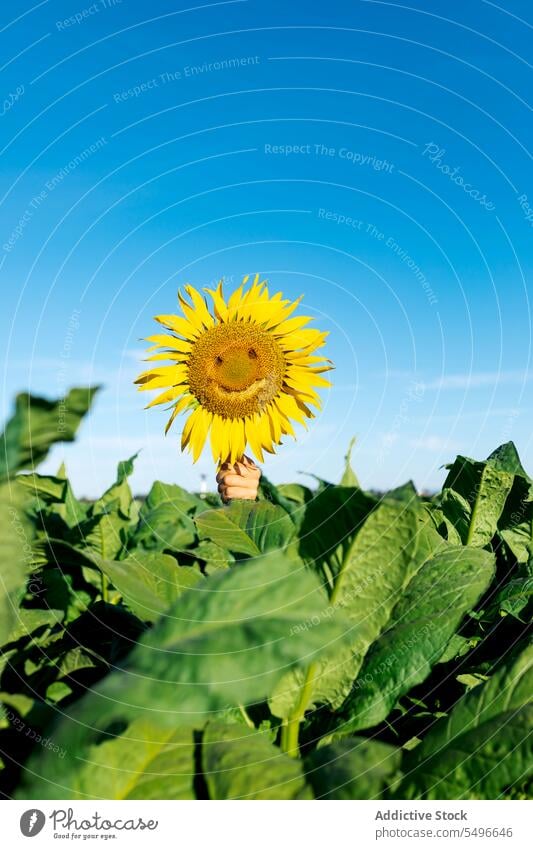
(240, 480)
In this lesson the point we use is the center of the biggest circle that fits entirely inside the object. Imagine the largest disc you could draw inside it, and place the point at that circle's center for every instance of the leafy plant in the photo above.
(320, 643)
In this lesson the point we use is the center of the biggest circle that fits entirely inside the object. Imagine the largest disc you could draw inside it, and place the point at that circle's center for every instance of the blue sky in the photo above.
(369, 155)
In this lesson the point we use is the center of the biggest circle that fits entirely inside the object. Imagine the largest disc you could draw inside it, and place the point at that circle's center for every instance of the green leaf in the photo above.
(349, 478)
(104, 533)
(37, 424)
(458, 647)
(222, 644)
(46, 487)
(516, 521)
(354, 768)
(16, 558)
(513, 599)
(369, 569)
(29, 620)
(484, 745)
(473, 499)
(119, 496)
(420, 627)
(406, 493)
(330, 522)
(506, 459)
(146, 761)
(295, 492)
(212, 556)
(57, 494)
(247, 527)
(149, 582)
(242, 764)
(176, 496)
(165, 519)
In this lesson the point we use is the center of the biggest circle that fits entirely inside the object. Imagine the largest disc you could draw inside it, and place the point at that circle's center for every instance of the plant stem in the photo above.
(247, 719)
(105, 586)
(291, 726)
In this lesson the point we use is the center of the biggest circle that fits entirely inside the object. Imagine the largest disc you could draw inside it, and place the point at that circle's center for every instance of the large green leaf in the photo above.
(473, 498)
(246, 527)
(16, 557)
(420, 627)
(506, 459)
(165, 519)
(224, 643)
(57, 494)
(110, 518)
(148, 581)
(327, 531)
(29, 620)
(484, 746)
(239, 763)
(515, 525)
(146, 761)
(37, 424)
(355, 768)
(369, 570)
(515, 598)
(105, 532)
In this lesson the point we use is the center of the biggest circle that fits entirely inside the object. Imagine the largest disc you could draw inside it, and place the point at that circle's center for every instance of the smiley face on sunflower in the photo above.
(243, 371)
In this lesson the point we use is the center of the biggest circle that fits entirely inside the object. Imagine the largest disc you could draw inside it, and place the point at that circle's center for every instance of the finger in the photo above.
(223, 471)
(239, 492)
(249, 471)
(236, 480)
(249, 462)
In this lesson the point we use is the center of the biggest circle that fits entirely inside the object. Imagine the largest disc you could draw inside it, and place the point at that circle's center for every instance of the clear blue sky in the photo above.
(146, 145)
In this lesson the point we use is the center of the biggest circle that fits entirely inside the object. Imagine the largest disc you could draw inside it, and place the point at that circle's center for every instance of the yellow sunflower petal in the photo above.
(264, 432)
(165, 397)
(215, 438)
(199, 432)
(290, 408)
(285, 423)
(275, 424)
(286, 328)
(307, 377)
(308, 338)
(179, 325)
(155, 380)
(252, 438)
(179, 406)
(198, 314)
(237, 439)
(167, 341)
(219, 304)
(166, 355)
(283, 311)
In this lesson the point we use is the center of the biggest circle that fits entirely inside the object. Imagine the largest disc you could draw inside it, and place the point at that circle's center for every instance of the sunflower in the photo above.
(243, 371)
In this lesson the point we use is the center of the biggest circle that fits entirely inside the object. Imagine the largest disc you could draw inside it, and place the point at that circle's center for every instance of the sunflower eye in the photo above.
(219, 361)
(252, 354)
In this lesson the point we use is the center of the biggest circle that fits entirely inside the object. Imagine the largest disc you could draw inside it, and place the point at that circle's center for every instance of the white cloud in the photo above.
(474, 380)
(435, 444)
(465, 380)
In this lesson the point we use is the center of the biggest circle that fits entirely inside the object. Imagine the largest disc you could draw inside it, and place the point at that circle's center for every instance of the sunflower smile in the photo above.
(253, 387)
(243, 371)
